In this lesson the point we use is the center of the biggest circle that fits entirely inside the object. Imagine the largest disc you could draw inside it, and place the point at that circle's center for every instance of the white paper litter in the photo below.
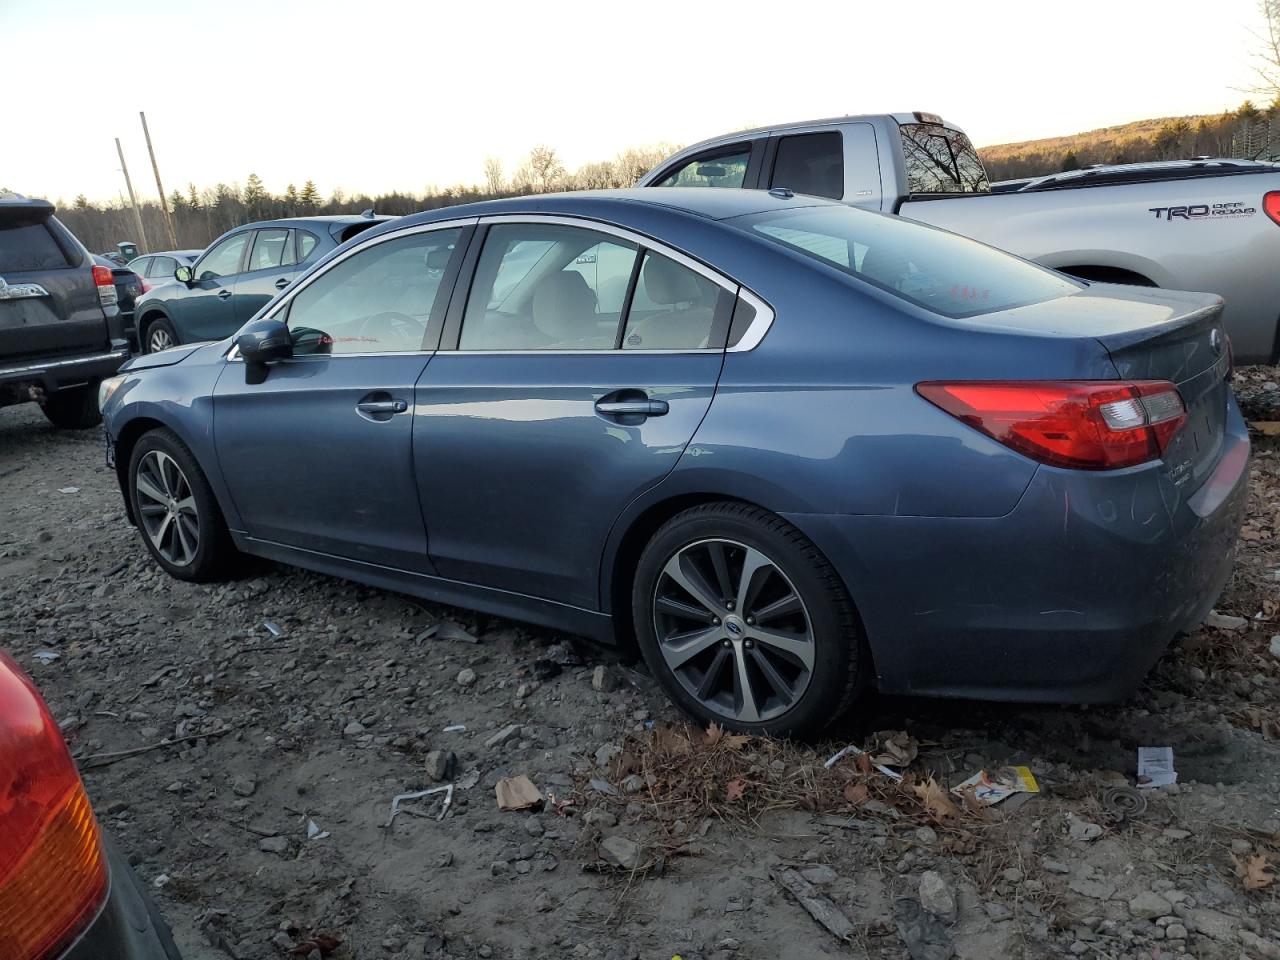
(1155, 767)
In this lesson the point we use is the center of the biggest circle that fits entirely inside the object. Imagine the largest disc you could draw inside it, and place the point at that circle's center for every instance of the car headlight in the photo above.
(106, 389)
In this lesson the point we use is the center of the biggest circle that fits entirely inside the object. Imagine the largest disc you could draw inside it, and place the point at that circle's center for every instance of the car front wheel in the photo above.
(175, 509)
(746, 624)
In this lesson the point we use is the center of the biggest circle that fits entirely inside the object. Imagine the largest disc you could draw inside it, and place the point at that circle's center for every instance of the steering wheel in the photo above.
(393, 326)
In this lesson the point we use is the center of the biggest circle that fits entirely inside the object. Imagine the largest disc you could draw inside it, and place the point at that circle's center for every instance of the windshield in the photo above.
(948, 274)
(941, 160)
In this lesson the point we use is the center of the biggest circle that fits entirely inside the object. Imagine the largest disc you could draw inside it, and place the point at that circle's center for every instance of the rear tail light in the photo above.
(53, 877)
(146, 287)
(1271, 205)
(106, 285)
(1083, 425)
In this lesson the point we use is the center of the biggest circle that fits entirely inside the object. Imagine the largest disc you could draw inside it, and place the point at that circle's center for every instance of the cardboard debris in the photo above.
(517, 793)
(1155, 767)
(991, 788)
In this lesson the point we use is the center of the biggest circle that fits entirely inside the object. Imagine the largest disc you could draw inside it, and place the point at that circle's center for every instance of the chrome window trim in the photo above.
(752, 336)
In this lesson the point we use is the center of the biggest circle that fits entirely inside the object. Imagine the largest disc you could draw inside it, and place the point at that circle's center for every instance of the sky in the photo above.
(381, 95)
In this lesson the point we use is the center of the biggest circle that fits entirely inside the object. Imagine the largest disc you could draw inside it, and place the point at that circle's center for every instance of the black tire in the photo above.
(75, 408)
(156, 334)
(211, 554)
(829, 624)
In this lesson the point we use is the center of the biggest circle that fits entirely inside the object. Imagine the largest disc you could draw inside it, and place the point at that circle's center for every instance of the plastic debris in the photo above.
(455, 728)
(451, 631)
(68, 489)
(1121, 803)
(314, 832)
(272, 628)
(1155, 767)
(857, 752)
(991, 788)
(397, 800)
(517, 793)
(47, 656)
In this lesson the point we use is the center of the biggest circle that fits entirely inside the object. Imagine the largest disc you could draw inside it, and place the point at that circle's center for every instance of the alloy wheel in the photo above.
(168, 508)
(158, 339)
(733, 630)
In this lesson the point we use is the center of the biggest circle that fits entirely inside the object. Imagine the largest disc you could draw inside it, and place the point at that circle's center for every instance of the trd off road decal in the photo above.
(1204, 211)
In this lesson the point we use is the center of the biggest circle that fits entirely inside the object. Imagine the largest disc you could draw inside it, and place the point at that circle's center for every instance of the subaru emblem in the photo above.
(733, 627)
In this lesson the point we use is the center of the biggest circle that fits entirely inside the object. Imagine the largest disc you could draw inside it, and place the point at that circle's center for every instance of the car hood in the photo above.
(164, 358)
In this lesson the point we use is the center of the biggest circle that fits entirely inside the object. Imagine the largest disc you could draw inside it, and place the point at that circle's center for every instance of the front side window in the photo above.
(268, 249)
(948, 274)
(727, 169)
(941, 160)
(224, 259)
(379, 300)
(674, 308)
(163, 268)
(811, 163)
(547, 287)
(141, 266)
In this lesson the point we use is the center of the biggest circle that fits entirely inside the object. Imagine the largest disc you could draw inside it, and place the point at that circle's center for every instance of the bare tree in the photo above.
(493, 175)
(545, 168)
(1267, 56)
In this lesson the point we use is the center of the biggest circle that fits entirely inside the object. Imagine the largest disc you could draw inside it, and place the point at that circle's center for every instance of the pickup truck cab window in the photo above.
(810, 163)
(724, 167)
(941, 160)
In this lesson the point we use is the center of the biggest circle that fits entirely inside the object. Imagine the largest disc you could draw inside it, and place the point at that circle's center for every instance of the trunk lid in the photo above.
(49, 305)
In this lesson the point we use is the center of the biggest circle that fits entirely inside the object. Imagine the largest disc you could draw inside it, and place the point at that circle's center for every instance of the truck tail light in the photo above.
(106, 285)
(1271, 205)
(1082, 425)
(53, 875)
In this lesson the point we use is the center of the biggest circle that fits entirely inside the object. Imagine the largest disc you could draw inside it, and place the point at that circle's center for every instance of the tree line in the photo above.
(201, 215)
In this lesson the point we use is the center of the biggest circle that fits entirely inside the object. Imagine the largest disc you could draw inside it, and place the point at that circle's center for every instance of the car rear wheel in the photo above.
(175, 509)
(160, 336)
(73, 409)
(746, 624)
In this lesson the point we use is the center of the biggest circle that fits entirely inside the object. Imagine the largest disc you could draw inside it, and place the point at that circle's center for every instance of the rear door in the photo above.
(571, 381)
(49, 305)
(272, 265)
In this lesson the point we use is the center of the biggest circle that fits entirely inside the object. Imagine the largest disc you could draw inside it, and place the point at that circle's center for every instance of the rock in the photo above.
(1093, 889)
(509, 732)
(1275, 646)
(937, 895)
(926, 835)
(441, 765)
(278, 845)
(1148, 906)
(243, 786)
(353, 729)
(1175, 931)
(998, 911)
(466, 677)
(604, 679)
(1083, 829)
(1011, 875)
(1266, 949)
(1225, 621)
(606, 753)
(1241, 846)
(1175, 833)
(499, 868)
(533, 827)
(600, 818)
(1055, 866)
(1211, 923)
(820, 875)
(621, 852)
(632, 783)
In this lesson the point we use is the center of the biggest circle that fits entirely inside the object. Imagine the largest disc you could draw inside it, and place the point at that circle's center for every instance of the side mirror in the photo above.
(182, 274)
(265, 342)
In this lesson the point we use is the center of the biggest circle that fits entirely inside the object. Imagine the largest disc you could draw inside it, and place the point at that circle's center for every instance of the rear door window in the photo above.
(724, 168)
(25, 245)
(811, 163)
(673, 308)
(941, 160)
(268, 249)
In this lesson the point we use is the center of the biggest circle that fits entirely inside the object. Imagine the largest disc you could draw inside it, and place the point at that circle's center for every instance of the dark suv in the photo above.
(61, 331)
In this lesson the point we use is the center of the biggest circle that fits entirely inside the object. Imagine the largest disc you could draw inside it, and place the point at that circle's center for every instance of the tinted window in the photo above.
(29, 246)
(163, 268)
(376, 301)
(224, 259)
(306, 243)
(811, 163)
(674, 308)
(940, 271)
(727, 169)
(940, 160)
(545, 287)
(268, 249)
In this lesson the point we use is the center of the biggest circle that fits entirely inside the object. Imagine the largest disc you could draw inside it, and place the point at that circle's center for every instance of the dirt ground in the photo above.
(297, 706)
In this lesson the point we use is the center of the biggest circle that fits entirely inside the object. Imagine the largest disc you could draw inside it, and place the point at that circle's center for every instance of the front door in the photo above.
(272, 265)
(584, 364)
(319, 455)
(205, 311)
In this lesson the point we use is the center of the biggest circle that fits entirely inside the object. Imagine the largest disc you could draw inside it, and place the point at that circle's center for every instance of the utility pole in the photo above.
(133, 200)
(164, 204)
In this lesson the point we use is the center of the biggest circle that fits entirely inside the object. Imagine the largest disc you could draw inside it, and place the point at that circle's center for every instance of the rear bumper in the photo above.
(56, 373)
(1071, 597)
(129, 927)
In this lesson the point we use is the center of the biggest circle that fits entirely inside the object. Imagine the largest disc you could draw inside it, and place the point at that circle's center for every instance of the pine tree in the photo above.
(255, 195)
(309, 199)
(291, 200)
(193, 196)
(1070, 161)
(82, 202)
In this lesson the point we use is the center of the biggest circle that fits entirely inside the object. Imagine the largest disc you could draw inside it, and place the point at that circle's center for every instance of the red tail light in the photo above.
(1084, 425)
(106, 285)
(1271, 205)
(53, 878)
(146, 287)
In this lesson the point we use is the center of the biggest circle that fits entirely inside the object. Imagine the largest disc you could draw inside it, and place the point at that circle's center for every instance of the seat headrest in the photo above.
(668, 282)
(564, 308)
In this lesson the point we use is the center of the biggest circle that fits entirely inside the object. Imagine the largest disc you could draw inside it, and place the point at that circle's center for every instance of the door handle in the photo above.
(224, 294)
(381, 407)
(632, 408)
(282, 283)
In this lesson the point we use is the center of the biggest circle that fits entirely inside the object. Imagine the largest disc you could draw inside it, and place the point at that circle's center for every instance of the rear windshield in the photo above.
(948, 274)
(941, 160)
(27, 245)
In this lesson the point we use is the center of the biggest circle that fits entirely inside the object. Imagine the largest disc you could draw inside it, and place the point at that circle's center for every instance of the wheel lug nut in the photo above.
(715, 621)
(749, 644)
(751, 620)
(729, 605)
(726, 643)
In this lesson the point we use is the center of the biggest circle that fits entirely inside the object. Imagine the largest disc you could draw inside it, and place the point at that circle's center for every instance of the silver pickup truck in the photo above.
(1208, 225)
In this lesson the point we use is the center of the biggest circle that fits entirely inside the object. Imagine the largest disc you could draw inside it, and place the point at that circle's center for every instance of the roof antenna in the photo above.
(368, 214)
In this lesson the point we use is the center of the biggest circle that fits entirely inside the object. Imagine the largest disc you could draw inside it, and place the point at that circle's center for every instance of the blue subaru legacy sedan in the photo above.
(786, 447)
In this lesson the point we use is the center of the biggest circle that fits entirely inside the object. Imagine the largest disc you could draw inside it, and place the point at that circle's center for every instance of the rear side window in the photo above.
(941, 160)
(811, 163)
(948, 274)
(725, 169)
(25, 245)
(306, 243)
